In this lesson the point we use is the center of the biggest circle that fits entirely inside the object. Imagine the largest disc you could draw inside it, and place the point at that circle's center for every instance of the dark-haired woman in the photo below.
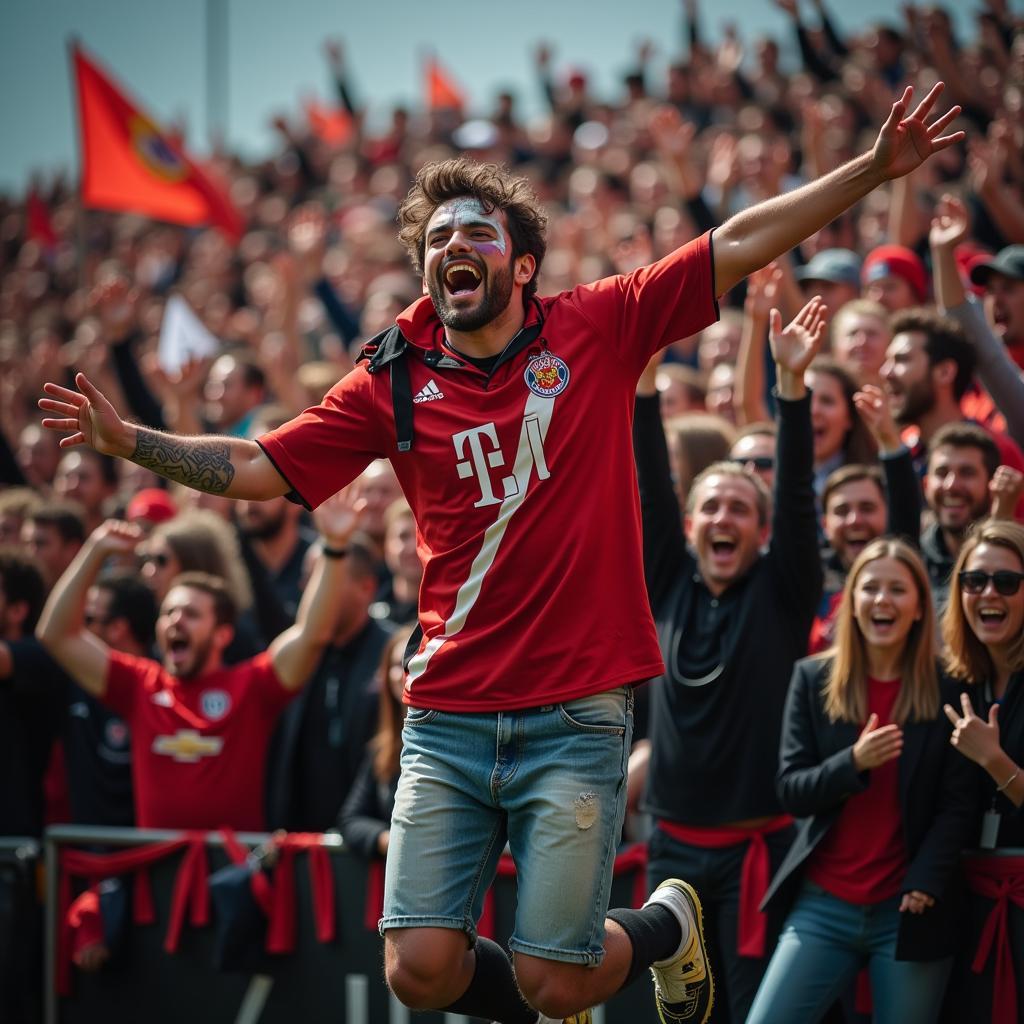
(865, 763)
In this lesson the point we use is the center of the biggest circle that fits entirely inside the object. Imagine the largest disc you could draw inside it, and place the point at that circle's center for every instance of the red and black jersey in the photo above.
(199, 746)
(523, 487)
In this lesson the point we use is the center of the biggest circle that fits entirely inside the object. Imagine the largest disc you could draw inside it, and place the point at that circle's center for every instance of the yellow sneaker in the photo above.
(683, 986)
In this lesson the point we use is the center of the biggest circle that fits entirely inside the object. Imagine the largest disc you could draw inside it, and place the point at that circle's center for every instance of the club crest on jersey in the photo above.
(547, 375)
(215, 704)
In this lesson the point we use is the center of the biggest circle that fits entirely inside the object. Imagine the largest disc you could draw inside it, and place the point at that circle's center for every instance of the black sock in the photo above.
(654, 932)
(493, 993)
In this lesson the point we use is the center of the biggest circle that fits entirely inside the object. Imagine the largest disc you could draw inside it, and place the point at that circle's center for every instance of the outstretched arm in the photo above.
(230, 466)
(297, 650)
(754, 237)
(82, 654)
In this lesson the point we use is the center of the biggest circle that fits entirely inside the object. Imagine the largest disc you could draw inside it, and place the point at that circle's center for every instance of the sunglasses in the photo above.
(95, 620)
(159, 558)
(1005, 581)
(757, 461)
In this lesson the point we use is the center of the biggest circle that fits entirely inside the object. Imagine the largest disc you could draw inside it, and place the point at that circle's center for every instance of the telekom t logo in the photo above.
(478, 460)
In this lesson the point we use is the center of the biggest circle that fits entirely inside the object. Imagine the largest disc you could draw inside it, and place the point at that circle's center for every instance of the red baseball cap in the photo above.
(896, 261)
(152, 504)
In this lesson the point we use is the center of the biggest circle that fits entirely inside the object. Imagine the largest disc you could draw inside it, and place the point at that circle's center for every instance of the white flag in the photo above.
(183, 335)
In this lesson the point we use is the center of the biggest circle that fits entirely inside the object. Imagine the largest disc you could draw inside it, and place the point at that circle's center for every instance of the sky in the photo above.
(273, 56)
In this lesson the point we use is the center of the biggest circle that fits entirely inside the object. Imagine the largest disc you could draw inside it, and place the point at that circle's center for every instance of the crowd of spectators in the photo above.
(757, 503)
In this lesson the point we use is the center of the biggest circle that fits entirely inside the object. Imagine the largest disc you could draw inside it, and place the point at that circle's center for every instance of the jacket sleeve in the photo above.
(362, 819)
(793, 552)
(957, 807)
(809, 780)
(903, 489)
(996, 370)
(664, 543)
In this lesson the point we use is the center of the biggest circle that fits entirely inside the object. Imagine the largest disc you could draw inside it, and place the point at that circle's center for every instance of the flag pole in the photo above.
(216, 73)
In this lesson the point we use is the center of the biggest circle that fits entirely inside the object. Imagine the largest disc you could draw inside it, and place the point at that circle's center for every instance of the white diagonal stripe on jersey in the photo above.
(538, 410)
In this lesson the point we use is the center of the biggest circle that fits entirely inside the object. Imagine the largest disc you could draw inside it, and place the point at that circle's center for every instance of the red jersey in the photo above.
(199, 746)
(523, 487)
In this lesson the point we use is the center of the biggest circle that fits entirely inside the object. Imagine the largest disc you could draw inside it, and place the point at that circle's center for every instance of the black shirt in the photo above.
(31, 709)
(97, 751)
(716, 715)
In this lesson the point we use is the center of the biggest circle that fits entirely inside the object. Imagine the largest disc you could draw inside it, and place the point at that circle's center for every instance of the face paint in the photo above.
(467, 213)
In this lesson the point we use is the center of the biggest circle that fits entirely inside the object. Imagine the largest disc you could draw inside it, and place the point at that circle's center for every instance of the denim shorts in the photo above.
(551, 781)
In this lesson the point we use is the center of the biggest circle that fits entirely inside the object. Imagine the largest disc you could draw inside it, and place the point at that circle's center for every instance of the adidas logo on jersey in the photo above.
(430, 392)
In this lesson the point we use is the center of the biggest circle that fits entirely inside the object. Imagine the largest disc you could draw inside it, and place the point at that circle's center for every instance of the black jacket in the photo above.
(938, 802)
(714, 747)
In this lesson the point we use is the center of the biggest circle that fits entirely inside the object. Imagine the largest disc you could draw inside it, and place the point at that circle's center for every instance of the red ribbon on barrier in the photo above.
(190, 889)
(1000, 879)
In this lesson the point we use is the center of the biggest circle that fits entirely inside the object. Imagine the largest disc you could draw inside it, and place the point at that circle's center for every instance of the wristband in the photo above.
(333, 552)
(1003, 787)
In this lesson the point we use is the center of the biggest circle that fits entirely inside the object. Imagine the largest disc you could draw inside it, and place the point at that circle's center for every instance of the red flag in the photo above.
(331, 126)
(442, 92)
(129, 164)
(38, 225)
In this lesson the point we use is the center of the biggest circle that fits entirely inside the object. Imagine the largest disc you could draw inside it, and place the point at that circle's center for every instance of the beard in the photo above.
(497, 294)
(194, 666)
(261, 529)
(918, 399)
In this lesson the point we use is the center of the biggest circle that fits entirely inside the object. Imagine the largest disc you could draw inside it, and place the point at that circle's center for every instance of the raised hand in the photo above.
(86, 417)
(950, 223)
(763, 291)
(873, 408)
(794, 347)
(1005, 489)
(975, 738)
(116, 537)
(906, 141)
(339, 516)
(876, 746)
(671, 134)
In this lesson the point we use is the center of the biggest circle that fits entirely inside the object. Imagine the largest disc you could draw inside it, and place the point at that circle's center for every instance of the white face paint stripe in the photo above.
(536, 416)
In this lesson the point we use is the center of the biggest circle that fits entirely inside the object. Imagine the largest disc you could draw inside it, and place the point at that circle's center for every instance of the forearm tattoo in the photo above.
(203, 463)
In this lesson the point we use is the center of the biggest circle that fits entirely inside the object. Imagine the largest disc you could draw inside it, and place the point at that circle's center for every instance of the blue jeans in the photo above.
(549, 780)
(824, 943)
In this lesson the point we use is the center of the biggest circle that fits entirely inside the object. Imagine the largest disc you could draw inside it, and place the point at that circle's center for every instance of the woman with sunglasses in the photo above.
(983, 629)
(884, 807)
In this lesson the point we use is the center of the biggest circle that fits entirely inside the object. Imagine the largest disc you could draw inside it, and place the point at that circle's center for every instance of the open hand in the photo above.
(874, 746)
(794, 347)
(86, 417)
(906, 141)
(339, 516)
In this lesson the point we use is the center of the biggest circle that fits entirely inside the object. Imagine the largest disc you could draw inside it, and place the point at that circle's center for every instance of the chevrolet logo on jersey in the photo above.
(187, 746)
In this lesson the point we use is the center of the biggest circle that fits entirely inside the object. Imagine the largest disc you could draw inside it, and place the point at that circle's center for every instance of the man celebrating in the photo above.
(199, 729)
(501, 414)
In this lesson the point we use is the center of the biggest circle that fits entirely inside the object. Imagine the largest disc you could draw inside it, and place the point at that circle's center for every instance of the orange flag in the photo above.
(329, 125)
(129, 164)
(442, 92)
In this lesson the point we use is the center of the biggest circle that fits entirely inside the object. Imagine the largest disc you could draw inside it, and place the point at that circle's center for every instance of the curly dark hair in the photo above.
(494, 187)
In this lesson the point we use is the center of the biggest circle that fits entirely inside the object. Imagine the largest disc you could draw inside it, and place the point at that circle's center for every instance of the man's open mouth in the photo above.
(461, 278)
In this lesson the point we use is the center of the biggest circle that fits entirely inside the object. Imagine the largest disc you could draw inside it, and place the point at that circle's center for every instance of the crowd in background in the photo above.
(916, 419)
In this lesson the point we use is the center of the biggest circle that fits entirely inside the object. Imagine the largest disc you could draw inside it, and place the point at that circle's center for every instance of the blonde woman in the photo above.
(983, 629)
(885, 809)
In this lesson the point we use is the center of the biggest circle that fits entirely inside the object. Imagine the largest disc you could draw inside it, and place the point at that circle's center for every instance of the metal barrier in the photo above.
(20, 929)
(341, 981)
